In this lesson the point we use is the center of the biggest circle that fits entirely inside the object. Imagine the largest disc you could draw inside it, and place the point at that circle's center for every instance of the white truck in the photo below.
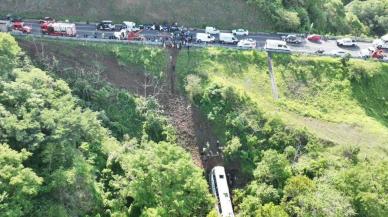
(228, 38)
(204, 37)
(382, 42)
(4, 25)
(130, 26)
(212, 30)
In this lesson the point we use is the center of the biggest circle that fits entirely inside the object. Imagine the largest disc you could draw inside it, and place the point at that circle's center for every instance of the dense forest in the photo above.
(58, 160)
(73, 144)
(328, 16)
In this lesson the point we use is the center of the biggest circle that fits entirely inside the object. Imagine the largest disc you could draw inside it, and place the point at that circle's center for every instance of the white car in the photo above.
(338, 53)
(276, 46)
(379, 43)
(346, 42)
(240, 32)
(204, 37)
(247, 43)
(211, 30)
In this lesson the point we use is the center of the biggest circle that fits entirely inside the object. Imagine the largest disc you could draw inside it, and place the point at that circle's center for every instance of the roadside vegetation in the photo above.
(307, 154)
(58, 160)
(327, 16)
(338, 17)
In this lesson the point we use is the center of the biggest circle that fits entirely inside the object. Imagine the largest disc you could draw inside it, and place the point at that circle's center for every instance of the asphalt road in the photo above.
(88, 30)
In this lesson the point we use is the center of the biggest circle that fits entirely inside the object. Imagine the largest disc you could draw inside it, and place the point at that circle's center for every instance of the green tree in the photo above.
(9, 51)
(372, 13)
(303, 197)
(162, 179)
(18, 184)
(273, 169)
(272, 210)
(366, 185)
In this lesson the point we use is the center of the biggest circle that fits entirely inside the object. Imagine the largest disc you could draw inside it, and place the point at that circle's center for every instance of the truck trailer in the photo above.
(59, 29)
(4, 26)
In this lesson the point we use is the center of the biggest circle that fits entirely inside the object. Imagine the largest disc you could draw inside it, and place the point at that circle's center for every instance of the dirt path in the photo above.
(193, 130)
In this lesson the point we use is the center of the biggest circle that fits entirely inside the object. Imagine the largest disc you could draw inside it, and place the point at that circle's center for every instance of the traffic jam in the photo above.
(180, 36)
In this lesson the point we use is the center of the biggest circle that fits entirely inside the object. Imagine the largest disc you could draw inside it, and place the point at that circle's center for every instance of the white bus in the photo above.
(220, 189)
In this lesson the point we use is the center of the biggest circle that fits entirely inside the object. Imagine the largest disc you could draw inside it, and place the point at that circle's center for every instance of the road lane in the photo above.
(89, 31)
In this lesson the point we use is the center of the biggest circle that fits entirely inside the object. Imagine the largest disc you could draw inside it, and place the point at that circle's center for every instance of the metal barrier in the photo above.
(159, 43)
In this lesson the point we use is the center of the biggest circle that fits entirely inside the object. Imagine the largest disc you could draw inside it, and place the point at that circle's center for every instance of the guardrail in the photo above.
(159, 43)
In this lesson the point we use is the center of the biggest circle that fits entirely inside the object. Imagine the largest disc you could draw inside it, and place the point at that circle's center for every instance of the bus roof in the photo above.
(223, 191)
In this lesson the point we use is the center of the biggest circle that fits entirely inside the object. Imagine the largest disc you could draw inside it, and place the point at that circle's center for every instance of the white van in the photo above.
(276, 46)
(228, 38)
(211, 30)
(204, 37)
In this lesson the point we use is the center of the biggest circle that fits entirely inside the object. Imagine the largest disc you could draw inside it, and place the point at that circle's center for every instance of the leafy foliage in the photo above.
(60, 161)
(18, 184)
(163, 181)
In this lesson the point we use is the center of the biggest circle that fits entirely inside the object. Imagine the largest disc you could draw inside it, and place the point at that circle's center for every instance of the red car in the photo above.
(19, 26)
(314, 37)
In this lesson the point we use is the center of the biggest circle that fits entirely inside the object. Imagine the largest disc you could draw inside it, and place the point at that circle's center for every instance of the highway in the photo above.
(88, 30)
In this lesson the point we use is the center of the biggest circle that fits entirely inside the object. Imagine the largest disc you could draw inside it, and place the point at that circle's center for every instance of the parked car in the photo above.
(276, 46)
(314, 38)
(382, 42)
(163, 27)
(147, 26)
(46, 19)
(130, 26)
(174, 28)
(204, 37)
(293, 39)
(211, 30)
(13, 18)
(106, 25)
(346, 42)
(240, 32)
(247, 43)
(338, 53)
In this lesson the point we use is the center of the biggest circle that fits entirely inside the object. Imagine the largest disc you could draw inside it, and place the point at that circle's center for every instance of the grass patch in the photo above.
(340, 102)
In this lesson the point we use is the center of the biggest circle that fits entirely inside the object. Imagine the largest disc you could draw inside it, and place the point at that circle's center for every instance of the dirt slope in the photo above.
(196, 13)
(193, 130)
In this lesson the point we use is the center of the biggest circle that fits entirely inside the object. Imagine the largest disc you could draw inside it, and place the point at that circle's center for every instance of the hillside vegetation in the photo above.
(321, 150)
(322, 16)
(58, 160)
(308, 154)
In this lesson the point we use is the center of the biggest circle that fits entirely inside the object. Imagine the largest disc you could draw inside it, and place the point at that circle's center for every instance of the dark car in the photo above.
(46, 19)
(174, 28)
(164, 27)
(147, 26)
(293, 39)
(13, 18)
(105, 25)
